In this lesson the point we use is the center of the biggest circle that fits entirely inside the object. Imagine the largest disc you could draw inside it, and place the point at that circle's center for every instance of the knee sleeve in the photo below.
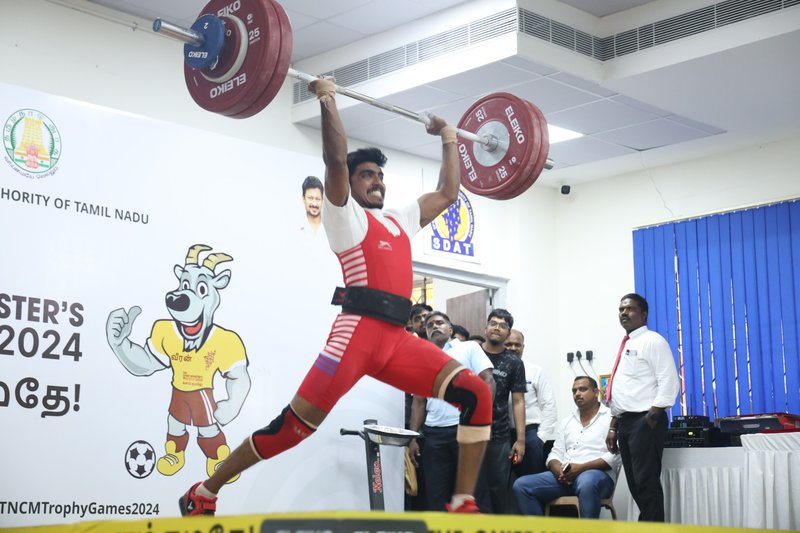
(470, 394)
(286, 431)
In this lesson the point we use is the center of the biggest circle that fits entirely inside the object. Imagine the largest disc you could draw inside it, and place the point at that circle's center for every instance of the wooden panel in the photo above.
(470, 310)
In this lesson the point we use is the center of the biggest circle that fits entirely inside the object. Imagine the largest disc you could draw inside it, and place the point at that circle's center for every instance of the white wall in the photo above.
(594, 246)
(568, 257)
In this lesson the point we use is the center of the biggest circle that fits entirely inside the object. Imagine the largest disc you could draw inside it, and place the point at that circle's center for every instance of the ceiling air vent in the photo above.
(443, 42)
(604, 48)
(738, 10)
(535, 25)
(493, 26)
(583, 43)
(387, 62)
(626, 42)
(563, 35)
(681, 26)
(646, 36)
(352, 73)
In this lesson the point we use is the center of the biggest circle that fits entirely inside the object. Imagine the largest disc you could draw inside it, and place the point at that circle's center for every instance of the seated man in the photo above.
(580, 464)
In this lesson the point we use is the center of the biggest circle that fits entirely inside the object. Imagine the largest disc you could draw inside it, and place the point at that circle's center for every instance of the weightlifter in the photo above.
(368, 337)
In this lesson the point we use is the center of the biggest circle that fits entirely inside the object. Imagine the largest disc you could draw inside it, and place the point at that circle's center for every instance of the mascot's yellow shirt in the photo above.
(194, 370)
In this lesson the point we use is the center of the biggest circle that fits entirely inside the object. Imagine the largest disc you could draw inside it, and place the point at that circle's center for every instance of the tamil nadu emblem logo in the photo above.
(453, 229)
(32, 143)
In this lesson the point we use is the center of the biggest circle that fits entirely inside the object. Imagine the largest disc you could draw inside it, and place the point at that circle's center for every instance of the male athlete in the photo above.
(368, 337)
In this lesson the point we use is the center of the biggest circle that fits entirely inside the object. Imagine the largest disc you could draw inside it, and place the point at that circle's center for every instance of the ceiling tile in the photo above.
(607, 7)
(422, 98)
(382, 14)
(584, 150)
(432, 150)
(361, 115)
(323, 10)
(697, 125)
(321, 37)
(299, 20)
(551, 96)
(436, 5)
(398, 133)
(653, 134)
(583, 84)
(453, 111)
(601, 115)
(638, 104)
(485, 79)
(528, 65)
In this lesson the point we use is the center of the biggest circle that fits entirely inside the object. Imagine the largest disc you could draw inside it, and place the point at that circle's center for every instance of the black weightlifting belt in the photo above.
(373, 303)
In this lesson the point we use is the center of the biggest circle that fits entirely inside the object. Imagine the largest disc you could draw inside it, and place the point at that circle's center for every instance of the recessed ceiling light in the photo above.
(558, 134)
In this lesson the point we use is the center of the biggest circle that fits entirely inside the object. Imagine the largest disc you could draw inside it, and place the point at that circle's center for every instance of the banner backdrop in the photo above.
(98, 212)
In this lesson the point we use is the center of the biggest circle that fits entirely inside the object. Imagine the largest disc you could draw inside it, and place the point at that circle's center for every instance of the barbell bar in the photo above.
(238, 74)
(198, 40)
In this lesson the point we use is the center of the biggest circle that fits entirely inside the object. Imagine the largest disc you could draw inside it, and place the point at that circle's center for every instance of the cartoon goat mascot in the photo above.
(196, 349)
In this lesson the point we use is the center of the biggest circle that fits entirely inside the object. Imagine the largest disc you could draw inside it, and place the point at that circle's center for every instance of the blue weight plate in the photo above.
(203, 56)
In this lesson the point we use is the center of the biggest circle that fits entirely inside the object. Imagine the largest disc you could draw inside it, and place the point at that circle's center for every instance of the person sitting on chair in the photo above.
(579, 464)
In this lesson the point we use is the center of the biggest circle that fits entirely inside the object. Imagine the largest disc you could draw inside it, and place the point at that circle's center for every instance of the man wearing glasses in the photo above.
(509, 377)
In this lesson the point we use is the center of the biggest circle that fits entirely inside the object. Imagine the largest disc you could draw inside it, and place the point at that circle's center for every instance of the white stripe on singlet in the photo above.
(341, 333)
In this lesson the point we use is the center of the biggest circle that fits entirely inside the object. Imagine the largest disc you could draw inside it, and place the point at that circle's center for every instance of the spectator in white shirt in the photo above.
(643, 384)
(579, 464)
(541, 415)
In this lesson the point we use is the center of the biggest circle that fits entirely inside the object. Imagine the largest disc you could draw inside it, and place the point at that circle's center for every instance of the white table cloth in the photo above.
(772, 480)
(755, 486)
(702, 486)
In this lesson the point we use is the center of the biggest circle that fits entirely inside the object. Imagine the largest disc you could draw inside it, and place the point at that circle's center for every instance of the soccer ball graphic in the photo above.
(140, 458)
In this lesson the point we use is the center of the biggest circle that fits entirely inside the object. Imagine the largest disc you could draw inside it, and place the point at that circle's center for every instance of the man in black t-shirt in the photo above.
(509, 377)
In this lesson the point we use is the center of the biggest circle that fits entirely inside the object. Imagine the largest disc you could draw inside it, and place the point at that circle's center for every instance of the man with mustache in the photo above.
(643, 385)
(368, 337)
(579, 464)
(541, 415)
(439, 420)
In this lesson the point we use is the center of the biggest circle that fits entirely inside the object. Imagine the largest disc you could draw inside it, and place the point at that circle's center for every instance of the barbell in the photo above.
(237, 55)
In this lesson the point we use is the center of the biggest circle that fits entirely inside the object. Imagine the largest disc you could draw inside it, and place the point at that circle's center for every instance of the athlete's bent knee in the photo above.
(471, 395)
(286, 431)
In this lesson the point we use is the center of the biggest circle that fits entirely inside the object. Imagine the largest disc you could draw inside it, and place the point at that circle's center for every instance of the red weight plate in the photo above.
(238, 93)
(544, 151)
(489, 173)
(281, 67)
(540, 141)
(523, 181)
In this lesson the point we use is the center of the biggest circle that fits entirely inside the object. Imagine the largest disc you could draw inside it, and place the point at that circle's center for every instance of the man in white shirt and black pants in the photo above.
(579, 464)
(643, 384)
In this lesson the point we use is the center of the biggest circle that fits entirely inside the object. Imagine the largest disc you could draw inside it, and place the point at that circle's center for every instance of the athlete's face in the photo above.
(366, 186)
(312, 199)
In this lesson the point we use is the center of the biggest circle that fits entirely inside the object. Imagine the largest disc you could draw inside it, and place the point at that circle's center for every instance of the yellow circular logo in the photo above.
(453, 229)
(32, 143)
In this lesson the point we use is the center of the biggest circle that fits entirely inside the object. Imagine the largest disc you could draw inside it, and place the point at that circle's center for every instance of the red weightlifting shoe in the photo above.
(467, 506)
(193, 504)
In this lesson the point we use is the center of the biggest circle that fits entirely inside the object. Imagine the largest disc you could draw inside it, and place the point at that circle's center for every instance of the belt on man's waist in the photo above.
(632, 415)
(373, 303)
(529, 427)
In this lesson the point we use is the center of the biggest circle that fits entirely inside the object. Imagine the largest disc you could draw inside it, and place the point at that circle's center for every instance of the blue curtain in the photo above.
(724, 290)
